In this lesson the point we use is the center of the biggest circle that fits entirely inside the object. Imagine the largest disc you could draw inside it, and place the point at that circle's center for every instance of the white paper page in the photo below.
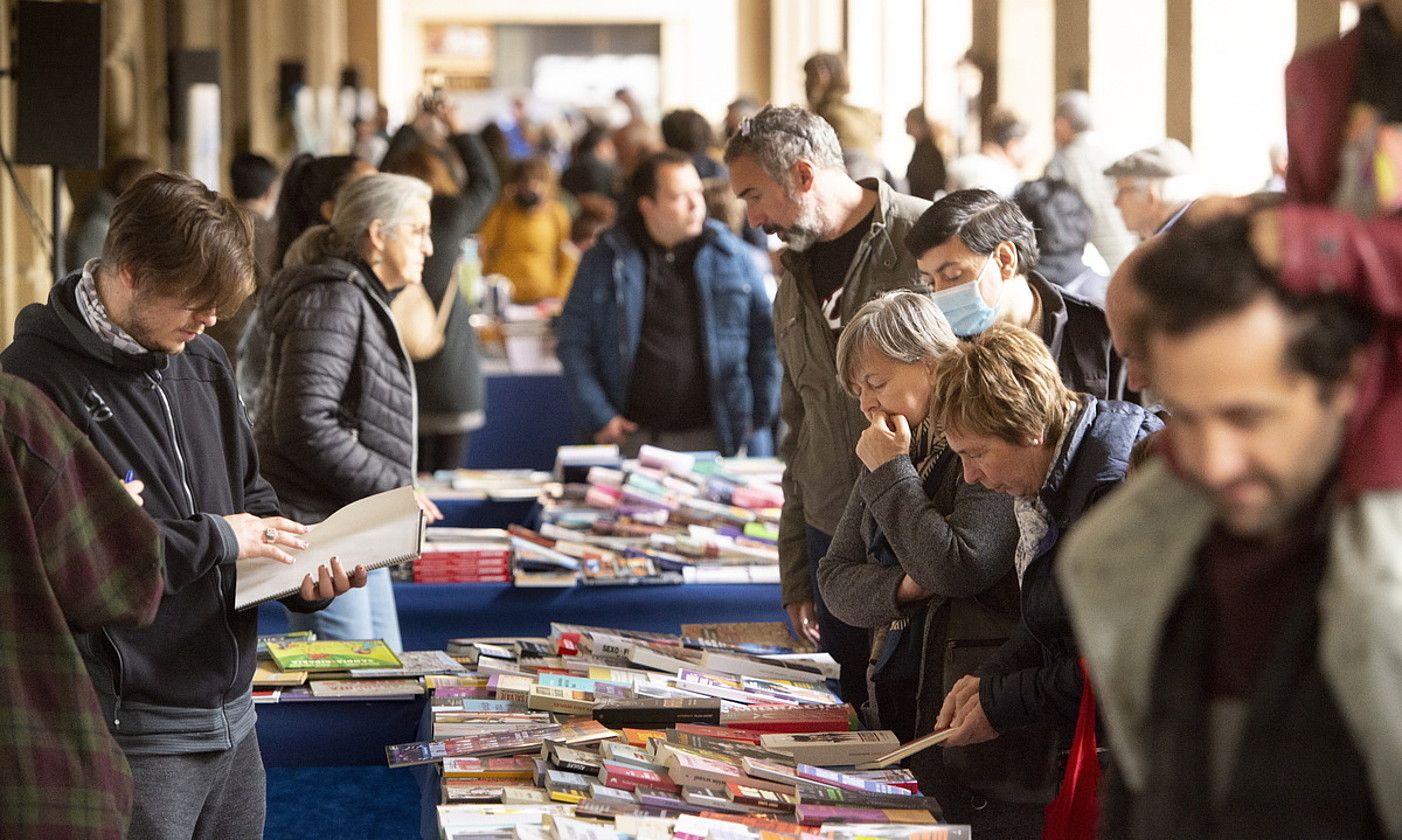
(376, 531)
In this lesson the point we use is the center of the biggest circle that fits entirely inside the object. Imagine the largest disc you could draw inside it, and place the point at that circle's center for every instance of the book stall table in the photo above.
(347, 734)
(432, 613)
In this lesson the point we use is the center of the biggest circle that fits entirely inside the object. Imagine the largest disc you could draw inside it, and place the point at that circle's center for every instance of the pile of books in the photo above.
(296, 666)
(490, 485)
(597, 732)
(668, 517)
(463, 555)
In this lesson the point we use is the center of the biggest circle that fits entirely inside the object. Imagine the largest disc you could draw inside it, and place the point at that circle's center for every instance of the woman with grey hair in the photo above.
(926, 562)
(336, 419)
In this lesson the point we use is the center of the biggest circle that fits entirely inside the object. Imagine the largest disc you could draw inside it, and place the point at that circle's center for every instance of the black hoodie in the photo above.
(182, 684)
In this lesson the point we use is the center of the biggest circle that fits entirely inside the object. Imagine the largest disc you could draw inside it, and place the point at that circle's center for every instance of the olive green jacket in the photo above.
(823, 420)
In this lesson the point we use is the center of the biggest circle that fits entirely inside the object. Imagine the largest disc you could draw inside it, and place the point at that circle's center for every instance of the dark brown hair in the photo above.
(644, 179)
(535, 166)
(1200, 272)
(182, 240)
(426, 165)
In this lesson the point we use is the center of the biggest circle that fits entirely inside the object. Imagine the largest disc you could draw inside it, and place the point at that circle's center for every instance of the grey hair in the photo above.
(1179, 189)
(381, 196)
(905, 326)
(1074, 107)
(777, 138)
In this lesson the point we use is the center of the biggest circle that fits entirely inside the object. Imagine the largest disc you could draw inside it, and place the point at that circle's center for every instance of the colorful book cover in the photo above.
(818, 814)
(768, 799)
(416, 663)
(818, 794)
(501, 767)
(493, 743)
(294, 636)
(822, 775)
(898, 777)
(367, 689)
(332, 655)
(267, 675)
(462, 791)
(630, 777)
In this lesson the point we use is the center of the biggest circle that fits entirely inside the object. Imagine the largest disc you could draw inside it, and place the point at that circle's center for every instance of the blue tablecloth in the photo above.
(482, 513)
(528, 418)
(432, 613)
(335, 733)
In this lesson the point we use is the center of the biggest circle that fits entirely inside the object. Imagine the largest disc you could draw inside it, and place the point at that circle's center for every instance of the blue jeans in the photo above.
(367, 613)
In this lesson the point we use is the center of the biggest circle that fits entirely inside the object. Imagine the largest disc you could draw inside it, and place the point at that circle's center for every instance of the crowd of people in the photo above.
(1084, 442)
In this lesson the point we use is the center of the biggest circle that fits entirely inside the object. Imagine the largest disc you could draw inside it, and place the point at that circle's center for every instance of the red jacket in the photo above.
(1327, 249)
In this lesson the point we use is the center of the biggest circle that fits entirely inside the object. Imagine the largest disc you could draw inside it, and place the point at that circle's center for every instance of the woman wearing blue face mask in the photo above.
(979, 254)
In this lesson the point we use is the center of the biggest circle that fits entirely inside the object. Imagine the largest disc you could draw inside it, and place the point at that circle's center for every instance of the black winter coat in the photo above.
(336, 417)
(175, 421)
(1034, 676)
(1075, 331)
(451, 381)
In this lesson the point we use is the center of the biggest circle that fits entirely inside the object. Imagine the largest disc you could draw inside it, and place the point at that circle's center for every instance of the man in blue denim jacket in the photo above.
(666, 337)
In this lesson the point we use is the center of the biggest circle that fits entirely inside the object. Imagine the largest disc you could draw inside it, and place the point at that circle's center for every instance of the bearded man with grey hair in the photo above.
(843, 240)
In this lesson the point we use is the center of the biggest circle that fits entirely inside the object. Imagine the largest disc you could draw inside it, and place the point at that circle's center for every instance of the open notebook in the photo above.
(379, 530)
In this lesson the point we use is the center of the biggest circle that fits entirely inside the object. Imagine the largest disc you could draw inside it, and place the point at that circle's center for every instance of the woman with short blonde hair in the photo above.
(1002, 406)
(1007, 386)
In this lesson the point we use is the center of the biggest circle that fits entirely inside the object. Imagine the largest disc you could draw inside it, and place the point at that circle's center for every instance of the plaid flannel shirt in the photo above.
(76, 554)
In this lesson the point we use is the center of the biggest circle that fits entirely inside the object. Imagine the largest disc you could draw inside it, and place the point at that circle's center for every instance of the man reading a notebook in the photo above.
(120, 348)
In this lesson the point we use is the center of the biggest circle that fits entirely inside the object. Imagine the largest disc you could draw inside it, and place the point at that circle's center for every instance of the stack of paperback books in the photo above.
(295, 666)
(666, 518)
(464, 555)
(490, 485)
(597, 732)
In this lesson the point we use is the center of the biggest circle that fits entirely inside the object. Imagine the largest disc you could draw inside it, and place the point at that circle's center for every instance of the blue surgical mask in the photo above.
(964, 307)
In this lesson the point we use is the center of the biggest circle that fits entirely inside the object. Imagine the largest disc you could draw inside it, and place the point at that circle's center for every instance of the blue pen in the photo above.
(129, 477)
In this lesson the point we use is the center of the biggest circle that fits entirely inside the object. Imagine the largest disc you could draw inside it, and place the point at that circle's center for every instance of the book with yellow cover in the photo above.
(331, 655)
(267, 675)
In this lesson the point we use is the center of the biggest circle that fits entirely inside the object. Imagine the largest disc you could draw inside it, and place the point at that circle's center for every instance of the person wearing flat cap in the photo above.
(1154, 187)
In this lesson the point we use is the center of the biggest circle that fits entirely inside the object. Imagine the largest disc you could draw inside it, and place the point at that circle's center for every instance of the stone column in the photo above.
(753, 47)
(799, 29)
(949, 34)
(1023, 63)
(885, 60)
(1116, 50)
(1317, 21)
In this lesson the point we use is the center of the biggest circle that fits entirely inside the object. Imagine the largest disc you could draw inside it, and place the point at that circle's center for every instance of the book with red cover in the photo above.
(629, 777)
(724, 732)
(791, 719)
(770, 800)
(818, 814)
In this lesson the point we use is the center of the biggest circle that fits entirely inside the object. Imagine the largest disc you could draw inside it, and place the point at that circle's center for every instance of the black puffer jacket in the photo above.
(450, 383)
(336, 416)
(1075, 331)
(1034, 677)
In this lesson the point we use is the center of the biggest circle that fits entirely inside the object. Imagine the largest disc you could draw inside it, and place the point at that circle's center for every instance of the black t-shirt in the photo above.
(670, 388)
(828, 263)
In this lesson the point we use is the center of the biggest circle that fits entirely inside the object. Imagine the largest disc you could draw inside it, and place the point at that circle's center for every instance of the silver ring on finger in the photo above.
(269, 535)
